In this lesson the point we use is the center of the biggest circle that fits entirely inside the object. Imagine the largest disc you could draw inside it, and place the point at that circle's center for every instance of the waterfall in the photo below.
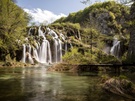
(24, 53)
(29, 47)
(49, 53)
(40, 33)
(42, 51)
(35, 55)
(66, 46)
(115, 49)
(27, 54)
(107, 49)
(62, 36)
(29, 58)
(55, 50)
(60, 50)
(57, 45)
(29, 33)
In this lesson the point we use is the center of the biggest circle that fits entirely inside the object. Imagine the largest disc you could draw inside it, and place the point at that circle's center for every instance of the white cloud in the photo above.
(43, 16)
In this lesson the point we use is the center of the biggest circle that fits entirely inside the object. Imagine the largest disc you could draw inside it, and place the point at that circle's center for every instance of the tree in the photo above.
(13, 21)
(86, 2)
(121, 1)
(131, 49)
(126, 1)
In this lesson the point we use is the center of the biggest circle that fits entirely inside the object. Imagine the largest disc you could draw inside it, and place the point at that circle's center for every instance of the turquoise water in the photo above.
(36, 84)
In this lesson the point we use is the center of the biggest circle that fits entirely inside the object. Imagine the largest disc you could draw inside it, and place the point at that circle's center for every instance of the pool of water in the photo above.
(36, 84)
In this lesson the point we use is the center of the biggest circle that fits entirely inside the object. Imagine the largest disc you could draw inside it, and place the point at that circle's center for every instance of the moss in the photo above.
(49, 38)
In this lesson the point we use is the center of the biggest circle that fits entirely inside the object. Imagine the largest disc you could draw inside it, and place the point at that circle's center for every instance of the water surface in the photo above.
(36, 84)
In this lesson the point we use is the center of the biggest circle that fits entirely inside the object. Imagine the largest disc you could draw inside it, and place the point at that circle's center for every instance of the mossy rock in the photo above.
(119, 86)
(7, 64)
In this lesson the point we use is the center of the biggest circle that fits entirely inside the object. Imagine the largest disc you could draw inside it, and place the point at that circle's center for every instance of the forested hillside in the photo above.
(100, 25)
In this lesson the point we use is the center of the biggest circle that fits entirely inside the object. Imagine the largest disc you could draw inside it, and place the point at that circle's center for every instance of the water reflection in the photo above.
(36, 84)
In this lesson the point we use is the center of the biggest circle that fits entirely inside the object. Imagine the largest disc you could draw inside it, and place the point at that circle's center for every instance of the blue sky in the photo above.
(56, 6)
(50, 10)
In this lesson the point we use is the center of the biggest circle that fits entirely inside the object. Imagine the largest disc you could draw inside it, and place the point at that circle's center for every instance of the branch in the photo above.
(86, 2)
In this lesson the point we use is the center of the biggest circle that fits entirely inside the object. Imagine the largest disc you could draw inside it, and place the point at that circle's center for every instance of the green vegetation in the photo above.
(100, 23)
(84, 56)
(13, 21)
(115, 10)
(88, 30)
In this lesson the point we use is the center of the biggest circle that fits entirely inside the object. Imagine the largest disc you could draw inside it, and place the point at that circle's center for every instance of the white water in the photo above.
(60, 50)
(29, 33)
(24, 53)
(66, 46)
(107, 49)
(42, 51)
(55, 50)
(115, 49)
(35, 54)
(49, 60)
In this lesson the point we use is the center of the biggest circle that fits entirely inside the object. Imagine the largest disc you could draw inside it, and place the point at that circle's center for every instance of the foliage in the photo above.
(88, 57)
(116, 10)
(99, 23)
(126, 1)
(75, 57)
(66, 25)
(13, 21)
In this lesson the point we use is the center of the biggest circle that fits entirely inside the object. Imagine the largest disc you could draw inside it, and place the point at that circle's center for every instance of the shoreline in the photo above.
(65, 67)
(15, 64)
(117, 68)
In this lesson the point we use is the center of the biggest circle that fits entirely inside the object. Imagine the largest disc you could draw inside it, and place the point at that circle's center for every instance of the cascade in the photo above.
(29, 47)
(55, 50)
(66, 46)
(115, 49)
(35, 55)
(24, 53)
(60, 50)
(107, 49)
(29, 33)
(29, 58)
(49, 60)
(57, 45)
(42, 51)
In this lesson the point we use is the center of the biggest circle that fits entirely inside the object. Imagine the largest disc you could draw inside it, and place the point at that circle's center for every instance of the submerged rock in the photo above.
(120, 87)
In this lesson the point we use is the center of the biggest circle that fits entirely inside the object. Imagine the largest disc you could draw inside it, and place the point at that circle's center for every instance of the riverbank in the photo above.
(15, 64)
(117, 68)
(64, 67)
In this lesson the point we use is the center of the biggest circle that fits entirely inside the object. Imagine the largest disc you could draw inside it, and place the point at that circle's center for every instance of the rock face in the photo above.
(131, 50)
(103, 19)
(106, 22)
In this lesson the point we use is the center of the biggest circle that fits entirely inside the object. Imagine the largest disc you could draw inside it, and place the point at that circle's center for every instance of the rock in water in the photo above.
(120, 87)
